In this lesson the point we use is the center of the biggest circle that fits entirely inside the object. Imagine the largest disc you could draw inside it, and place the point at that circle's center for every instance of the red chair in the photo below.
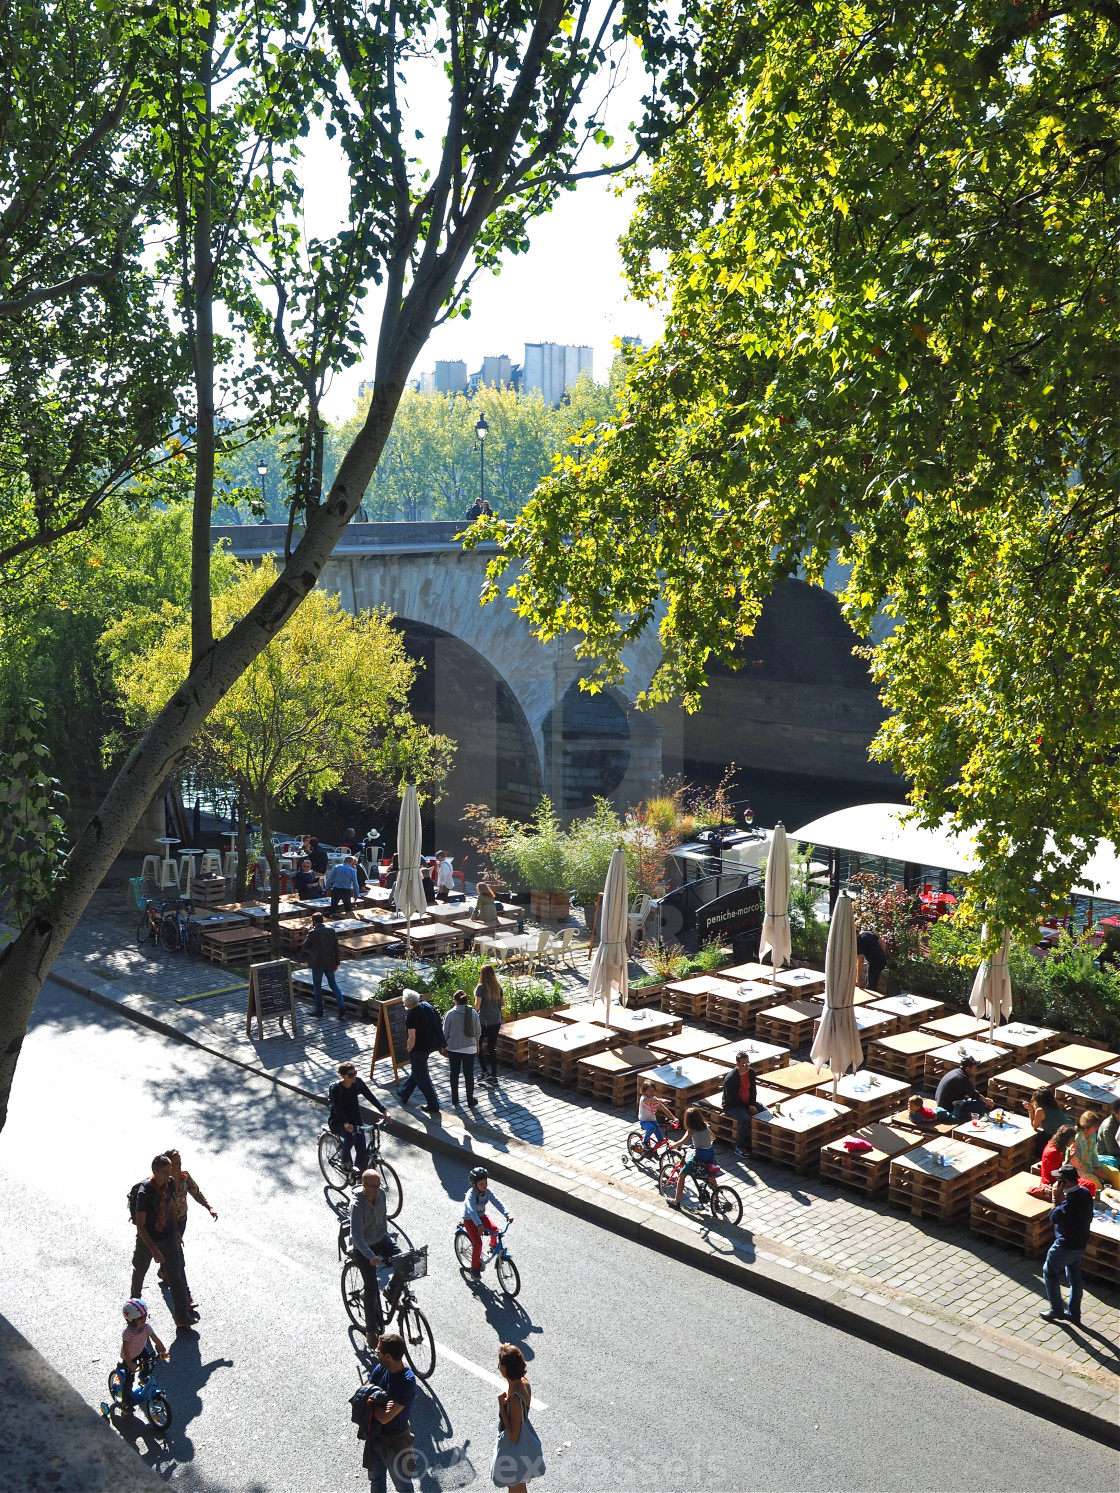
(461, 874)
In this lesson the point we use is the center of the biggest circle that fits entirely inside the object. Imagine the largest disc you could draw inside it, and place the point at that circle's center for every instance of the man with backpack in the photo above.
(425, 1036)
(151, 1209)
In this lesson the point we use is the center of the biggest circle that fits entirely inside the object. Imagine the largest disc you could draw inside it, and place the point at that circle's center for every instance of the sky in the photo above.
(568, 287)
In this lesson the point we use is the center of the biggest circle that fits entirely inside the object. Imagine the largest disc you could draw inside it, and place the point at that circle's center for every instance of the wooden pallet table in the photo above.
(613, 1075)
(871, 1024)
(800, 982)
(764, 1056)
(1075, 1059)
(358, 983)
(434, 940)
(725, 1128)
(1025, 1042)
(555, 1054)
(738, 974)
(690, 1042)
(866, 1171)
(954, 1028)
(1008, 1214)
(737, 1006)
(1011, 1137)
(683, 1083)
(798, 1078)
(690, 997)
(1014, 1086)
(293, 934)
(796, 1129)
(210, 922)
(940, 1178)
(789, 1025)
(1102, 1255)
(989, 1060)
(1095, 1091)
(902, 1056)
(869, 1096)
(642, 1026)
(513, 1037)
(361, 945)
(234, 945)
(910, 1010)
(902, 1121)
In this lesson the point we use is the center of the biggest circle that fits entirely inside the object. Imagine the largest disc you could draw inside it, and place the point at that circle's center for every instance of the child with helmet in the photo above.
(137, 1336)
(478, 1198)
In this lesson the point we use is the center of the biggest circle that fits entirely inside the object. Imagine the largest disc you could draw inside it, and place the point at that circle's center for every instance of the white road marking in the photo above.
(265, 1249)
(479, 1372)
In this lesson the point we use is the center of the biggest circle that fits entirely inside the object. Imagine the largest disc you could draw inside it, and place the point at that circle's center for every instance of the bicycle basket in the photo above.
(414, 1265)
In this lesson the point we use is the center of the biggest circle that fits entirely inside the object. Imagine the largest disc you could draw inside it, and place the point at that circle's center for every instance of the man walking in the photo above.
(157, 1239)
(370, 1245)
(320, 949)
(389, 1442)
(1072, 1219)
(183, 1186)
(342, 883)
(425, 1036)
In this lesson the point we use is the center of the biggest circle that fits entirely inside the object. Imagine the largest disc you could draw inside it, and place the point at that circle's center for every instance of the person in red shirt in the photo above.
(1053, 1158)
(740, 1101)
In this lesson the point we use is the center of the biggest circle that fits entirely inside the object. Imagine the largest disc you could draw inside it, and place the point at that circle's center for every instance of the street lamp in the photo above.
(262, 473)
(481, 430)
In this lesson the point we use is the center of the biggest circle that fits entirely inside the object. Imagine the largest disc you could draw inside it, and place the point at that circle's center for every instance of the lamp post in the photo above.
(262, 473)
(481, 430)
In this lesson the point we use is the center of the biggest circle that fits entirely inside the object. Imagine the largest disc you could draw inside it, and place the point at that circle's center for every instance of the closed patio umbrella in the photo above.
(837, 1042)
(991, 989)
(775, 924)
(608, 962)
(408, 890)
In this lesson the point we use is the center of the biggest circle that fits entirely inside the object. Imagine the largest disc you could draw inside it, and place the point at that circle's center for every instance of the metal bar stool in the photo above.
(187, 872)
(149, 871)
(169, 874)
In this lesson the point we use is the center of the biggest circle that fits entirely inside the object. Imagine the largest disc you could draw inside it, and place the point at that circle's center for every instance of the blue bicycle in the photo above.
(146, 1396)
(508, 1277)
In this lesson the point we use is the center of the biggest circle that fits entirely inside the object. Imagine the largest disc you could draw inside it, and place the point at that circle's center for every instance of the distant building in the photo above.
(451, 378)
(495, 373)
(631, 342)
(553, 368)
(365, 389)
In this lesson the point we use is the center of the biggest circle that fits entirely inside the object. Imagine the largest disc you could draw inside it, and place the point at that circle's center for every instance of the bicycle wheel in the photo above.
(169, 932)
(158, 1411)
(116, 1386)
(636, 1146)
(330, 1162)
(508, 1278)
(192, 940)
(464, 1249)
(667, 1180)
(391, 1187)
(671, 1158)
(144, 928)
(419, 1344)
(354, 1295)
(727, 1205)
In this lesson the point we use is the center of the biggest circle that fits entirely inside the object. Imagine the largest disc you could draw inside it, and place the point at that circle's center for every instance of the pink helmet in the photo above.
(134, 1309)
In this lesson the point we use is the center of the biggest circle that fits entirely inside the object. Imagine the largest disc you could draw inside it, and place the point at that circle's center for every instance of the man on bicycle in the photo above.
(345, 1118)
(370, 1245)
(478, 1198)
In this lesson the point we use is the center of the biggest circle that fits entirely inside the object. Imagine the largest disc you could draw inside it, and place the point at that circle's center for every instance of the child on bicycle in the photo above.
(478, 1198)
(649, 1108)
(703, 1149)
(136, 1340)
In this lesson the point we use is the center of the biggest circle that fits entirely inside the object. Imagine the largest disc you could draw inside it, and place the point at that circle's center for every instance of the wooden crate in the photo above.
(790, 1025)
(1009, 1215)
(910, 1010)
(928, 1190)
(234, 945)
(989, 1060)
(1102, 1255)
(1076, 1058)
(1093, 1091)
(685, 1082)
(690, 997)
(869, 1096)
(724, 1127)
(798, 1078)
(902, 1056)
(737, 1006)
(796, 984)
(866, 1171)
(513, 1038)
(554, 1055)
(764, 1056)
(1014, 1086)
(954, 1028)
(871, 1025)
(613, 1075)
(797, 1129)
(1014, 1142)
(690, 1042)
(1025, 1043)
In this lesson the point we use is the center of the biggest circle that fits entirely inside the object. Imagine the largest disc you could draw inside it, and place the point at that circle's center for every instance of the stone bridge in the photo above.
(513, 704)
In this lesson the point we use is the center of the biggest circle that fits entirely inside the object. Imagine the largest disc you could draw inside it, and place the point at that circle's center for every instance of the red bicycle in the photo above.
(638, 1148)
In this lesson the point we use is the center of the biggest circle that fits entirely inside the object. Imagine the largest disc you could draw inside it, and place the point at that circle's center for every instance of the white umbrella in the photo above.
(837, 1042)
(608, 962)
(991, 989)
(775, 925)
(408, 889)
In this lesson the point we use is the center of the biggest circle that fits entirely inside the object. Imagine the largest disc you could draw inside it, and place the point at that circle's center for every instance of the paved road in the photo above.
(655, 1377)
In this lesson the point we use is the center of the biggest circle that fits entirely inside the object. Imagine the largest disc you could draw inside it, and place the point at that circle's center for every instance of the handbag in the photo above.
(517, 1461)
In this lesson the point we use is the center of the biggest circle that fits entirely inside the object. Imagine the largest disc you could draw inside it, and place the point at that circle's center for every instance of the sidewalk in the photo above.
(942, 1285)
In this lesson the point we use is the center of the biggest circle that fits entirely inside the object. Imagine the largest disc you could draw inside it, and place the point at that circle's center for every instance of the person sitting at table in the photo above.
(342, 883)
(428, 884)
(703, 1148)
(1108, 1137)
(1045, 1113)
(1084, 1156)
(957, 1098)
(393, 872)
(317, 856)
(740, 1101)
(305, 881)
(1053, 1157)
(485, 906)
(445, 875)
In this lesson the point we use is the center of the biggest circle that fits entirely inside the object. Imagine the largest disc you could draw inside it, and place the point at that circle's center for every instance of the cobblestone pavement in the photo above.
(989, 1296)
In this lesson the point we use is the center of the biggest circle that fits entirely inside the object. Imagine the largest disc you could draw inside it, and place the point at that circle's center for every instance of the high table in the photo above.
(902, 1056)
(738, 1006)
(613, 1075)
(940, 1178)
(1011, 1137)
(865, 1171)
(790, 1025)
(909, 1010)
(555, 1054)
(764, 1056)
(1026, 1042)
(681, 1084)
(796, 1129)
(989, 1060)
(954, 1028)
(1095, 1091)
(869, 1096)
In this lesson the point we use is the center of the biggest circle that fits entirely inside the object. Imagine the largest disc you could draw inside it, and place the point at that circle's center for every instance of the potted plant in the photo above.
(532, 857)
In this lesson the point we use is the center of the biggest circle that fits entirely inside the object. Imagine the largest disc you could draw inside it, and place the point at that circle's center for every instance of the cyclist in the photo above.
(703, 1147)
(370, 1246)
(478, 1198)
(345, 1117)
(135, 1341)
(650, 1109)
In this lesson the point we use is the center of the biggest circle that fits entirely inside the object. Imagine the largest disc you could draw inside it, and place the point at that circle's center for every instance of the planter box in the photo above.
(550, 907)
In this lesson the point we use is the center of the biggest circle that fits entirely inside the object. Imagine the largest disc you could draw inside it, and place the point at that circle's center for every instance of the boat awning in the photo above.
(880, 829)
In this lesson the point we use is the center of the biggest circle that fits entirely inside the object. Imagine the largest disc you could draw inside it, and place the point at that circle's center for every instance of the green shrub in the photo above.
(530, 995)
(590, 843)
(532, 858)
(404, 977)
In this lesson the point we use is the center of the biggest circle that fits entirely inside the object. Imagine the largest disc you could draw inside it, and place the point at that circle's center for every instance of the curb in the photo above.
(550, 1177)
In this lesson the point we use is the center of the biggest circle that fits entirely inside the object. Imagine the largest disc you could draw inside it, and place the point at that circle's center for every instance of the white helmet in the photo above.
(134, 1309)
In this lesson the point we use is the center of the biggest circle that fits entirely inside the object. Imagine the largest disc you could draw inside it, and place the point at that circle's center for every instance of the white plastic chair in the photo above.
(637, 920)
(531, 956)
(559, 948)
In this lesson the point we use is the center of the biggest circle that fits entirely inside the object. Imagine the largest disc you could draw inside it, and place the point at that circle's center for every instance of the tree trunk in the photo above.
(201, 615)
(241, 886)
(273, 860)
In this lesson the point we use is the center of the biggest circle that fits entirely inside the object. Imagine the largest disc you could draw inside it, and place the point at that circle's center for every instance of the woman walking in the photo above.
(518, 1455)
(488, 1003)
(461, 1028)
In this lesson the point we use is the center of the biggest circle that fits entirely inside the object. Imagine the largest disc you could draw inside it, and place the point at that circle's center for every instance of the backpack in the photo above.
(133, 1197)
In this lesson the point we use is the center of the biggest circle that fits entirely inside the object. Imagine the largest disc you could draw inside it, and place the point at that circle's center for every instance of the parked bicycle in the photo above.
(724, 1202)
(147, 1394)
(151, 915)
(178, 929)
(400, 1303)
(508, 1276)
(341, 1178)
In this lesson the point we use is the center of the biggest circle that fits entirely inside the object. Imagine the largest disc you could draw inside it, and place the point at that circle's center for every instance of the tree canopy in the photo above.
(891, 265)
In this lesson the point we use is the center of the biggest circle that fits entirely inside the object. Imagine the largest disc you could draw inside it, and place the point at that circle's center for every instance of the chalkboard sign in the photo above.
(271, 994)
(392, 1035)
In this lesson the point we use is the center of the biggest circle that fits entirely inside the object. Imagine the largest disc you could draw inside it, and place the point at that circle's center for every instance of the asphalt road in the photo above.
(646, 1374)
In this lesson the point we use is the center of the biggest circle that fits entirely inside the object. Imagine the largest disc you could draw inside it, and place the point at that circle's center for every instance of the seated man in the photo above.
(342, 883)
(305, 881)
(957, 1098)
(740, 1101)
(370, 1245)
